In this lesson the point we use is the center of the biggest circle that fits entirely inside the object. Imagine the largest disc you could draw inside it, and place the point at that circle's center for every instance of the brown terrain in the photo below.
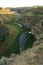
(34, 55)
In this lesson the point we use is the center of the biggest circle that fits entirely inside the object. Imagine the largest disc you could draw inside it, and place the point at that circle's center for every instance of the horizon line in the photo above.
(21, 6)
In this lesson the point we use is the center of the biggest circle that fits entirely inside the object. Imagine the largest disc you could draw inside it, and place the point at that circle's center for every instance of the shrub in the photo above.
(3, 61)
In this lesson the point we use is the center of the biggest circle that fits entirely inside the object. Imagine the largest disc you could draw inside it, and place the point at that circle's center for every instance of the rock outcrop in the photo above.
(32, 56)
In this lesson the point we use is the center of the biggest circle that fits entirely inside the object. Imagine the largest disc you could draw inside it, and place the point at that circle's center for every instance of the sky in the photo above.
(20, 3)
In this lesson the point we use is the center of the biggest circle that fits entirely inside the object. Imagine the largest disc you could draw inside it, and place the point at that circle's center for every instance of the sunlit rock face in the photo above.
(6, 11)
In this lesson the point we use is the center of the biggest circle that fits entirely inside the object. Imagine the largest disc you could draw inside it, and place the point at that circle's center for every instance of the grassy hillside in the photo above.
(6, 15)
(30, 18)
(11, 45)
(4, 18)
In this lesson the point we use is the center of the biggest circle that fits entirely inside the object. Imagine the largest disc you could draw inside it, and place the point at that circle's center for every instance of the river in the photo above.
(22, 41)
(24, 37)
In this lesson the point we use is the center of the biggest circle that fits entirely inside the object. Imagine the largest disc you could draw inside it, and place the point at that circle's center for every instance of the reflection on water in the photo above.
(26, 40)
(22, 41)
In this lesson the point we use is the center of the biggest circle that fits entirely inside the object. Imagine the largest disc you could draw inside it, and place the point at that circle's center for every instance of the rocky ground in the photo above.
(32, 56)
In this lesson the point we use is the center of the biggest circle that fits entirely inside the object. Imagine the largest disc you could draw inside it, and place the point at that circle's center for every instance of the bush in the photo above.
(3, 61)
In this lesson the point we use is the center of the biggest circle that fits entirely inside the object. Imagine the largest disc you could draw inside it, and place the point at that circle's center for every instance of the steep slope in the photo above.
(32, 56)
(6, 15)
(4, 18)
(3, 33)
(10, 44)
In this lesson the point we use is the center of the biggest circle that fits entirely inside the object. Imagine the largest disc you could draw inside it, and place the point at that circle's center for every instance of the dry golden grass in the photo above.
(6, 11)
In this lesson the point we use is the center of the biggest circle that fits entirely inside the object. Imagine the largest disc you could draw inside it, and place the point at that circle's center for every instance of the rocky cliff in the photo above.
(32, 56)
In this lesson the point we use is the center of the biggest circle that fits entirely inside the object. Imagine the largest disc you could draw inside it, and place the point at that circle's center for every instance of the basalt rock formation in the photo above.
(32, 56)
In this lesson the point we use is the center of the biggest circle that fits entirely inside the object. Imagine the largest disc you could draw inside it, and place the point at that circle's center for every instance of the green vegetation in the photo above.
(31, 39)
(3, 60)
(28, 17)
(3, 33)
(11, 45)
(32, 56)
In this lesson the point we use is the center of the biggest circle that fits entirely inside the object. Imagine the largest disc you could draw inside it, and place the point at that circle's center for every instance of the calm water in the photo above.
(26, 40)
